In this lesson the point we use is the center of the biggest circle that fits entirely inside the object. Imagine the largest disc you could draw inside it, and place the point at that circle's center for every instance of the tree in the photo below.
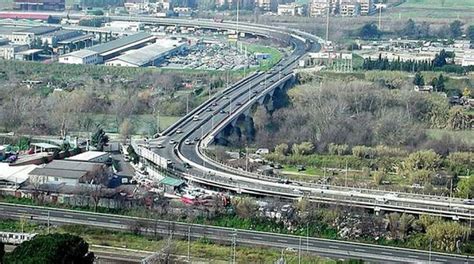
(304, 148)
(439, 84)
(126, 129)
(281, 149)
(52, 248)
(409, 29)
(245, 207)
(445, 234)
(455, 29)
(466, 187)
(369, 31)
(99, 139)
(422, 160)
(440, 59)
(459, 119)
(466, 93)
(418, 80)
(470, 33)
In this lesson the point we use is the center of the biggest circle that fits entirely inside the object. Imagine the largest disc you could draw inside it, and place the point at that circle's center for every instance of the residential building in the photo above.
(367, 7)
(291, 9)
(14, 176)
(349, 8)
(39, 5)
(81, 57)
(265, 5)
(320, 7)
(468, 58)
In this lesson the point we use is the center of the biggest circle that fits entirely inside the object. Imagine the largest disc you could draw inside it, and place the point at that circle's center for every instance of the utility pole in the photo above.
(299, 252)
(327, 22)
(346, 174)
(158, 122)
(233, 247)
(429, 257)
(187, 103)
(380, 17)
(189, 244)
(48, 220)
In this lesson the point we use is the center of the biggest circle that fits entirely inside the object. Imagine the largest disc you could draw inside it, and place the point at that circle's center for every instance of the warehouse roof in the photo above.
(149, 53)
(80, 54)
(88, 155)
(70, 174)
(71, 165)
(124, 41)
(38, 30)
(15, 174)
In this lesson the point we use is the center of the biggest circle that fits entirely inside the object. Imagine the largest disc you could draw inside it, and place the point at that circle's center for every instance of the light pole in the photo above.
(429, 256)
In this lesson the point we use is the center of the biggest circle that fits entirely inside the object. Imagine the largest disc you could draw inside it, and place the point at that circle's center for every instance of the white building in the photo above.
(8, 52)
(14, 176)
(81, 57)
(291, 9)
(91, 156)
(349, 8)
(150, 55)
(125, 26)
(468, 58)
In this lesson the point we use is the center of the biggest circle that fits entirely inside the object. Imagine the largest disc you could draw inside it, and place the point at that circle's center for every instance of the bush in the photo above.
(363, 152)
(460, 163)
(340, 150)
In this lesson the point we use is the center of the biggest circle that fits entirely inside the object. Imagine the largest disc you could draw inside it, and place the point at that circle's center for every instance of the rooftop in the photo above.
(15, 174)
(171, 181)
(149, 53)
(58, 173)
(38, 30)
(88, 155)
(45, 145)
(71, 165)
(118, 43)
(80, 53)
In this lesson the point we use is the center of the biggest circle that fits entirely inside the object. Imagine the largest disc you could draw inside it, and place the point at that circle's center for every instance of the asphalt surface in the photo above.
(322, 247)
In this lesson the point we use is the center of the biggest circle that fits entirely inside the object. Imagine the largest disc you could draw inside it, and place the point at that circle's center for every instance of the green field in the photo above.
(439, 3)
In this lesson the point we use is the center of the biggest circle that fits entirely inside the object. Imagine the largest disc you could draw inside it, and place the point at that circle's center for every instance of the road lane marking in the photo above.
(331, 246)
(281, 240)
(442, 260)
(360, 249)
(259, 238)
(387, 253)
(114, 221)
(411, 256)
(92, 218)
(69, 216)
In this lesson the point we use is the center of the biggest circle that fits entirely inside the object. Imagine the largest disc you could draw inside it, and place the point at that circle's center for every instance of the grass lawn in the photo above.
(275, 54)
(439, 3)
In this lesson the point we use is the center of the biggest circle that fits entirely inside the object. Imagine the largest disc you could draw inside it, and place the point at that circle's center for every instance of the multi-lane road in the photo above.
(322, 247)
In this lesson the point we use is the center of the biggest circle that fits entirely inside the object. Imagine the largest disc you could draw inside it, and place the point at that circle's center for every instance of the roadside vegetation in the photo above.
(54, 99)
(303, 218)
(200, 250)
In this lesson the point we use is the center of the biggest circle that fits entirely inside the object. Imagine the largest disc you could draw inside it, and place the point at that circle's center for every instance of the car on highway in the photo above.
(468, 201)
(214, 104)
(172, 141)
(238, 104)
(188, 142)
(159, 146)
(223, 112)
(179, 131)
(196, 118)
(197, 139)
(209, 109)
(187, 165)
